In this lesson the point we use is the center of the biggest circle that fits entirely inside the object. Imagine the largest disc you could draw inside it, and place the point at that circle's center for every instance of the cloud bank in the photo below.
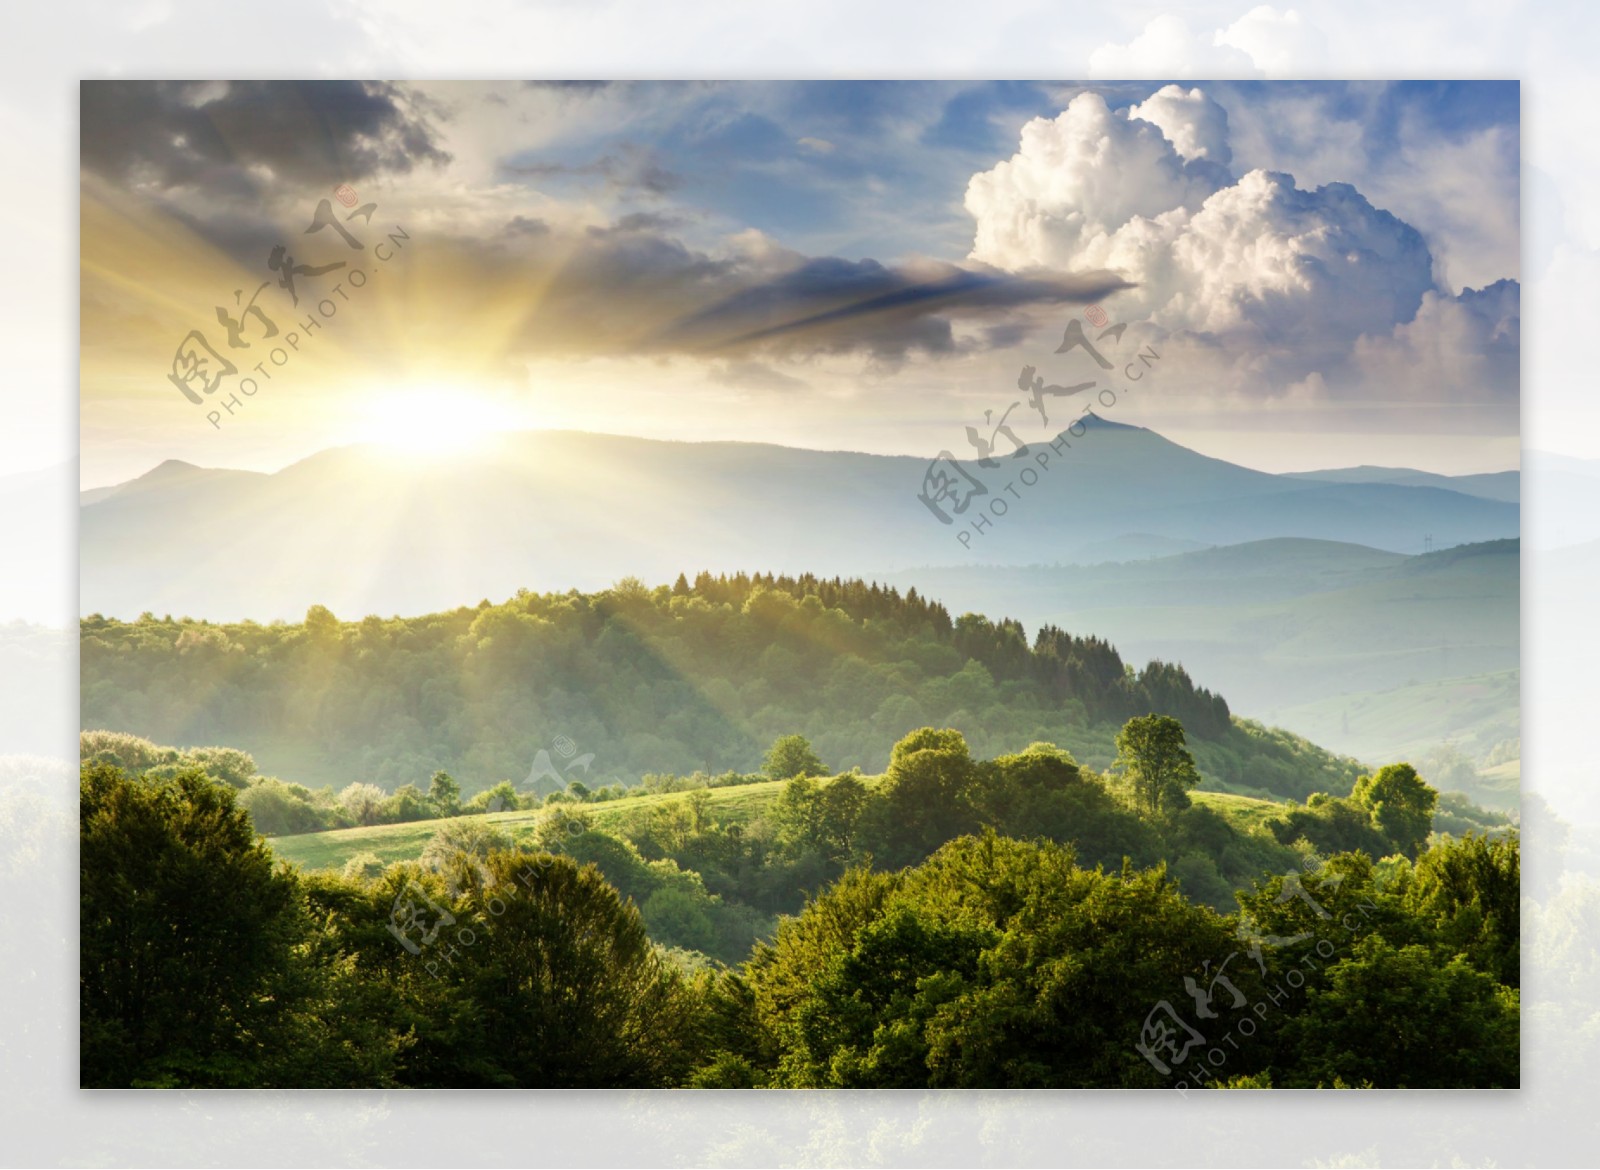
(1272, 289)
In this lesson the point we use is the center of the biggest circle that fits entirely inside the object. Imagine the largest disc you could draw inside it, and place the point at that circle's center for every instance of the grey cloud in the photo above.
(751, 375)
(180, 133)
(627, 170)
(644, 292)
(833, 305)
(638, 221)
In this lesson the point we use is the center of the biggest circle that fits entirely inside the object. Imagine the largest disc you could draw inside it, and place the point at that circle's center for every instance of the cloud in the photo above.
(832, 305)
(628, 169)
(1074, 181)
(1265, 283)
(1456, 349)
(1167, 48)
(1280, 44)
(1196, 126)
(243, 136)
(638, 221)
(1266, 252)
(1264, 41)
(1443, 157)
(524, 225)
(817, 145)
(633, 287)
(1264, 290)
(749, 375)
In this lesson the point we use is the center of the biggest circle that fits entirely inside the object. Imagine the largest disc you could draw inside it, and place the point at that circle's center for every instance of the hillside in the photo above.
(1498, 485)
(1290, 630)
(695, 677)
(1473, 715)
(740, 804)
(366, 531)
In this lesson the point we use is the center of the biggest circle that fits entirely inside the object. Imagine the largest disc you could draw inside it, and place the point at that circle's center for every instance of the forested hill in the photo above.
(691, 677)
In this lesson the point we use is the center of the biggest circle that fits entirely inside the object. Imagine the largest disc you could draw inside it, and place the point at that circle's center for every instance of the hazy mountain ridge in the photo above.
(1283, 624)
(362, 530)
(1505, 486)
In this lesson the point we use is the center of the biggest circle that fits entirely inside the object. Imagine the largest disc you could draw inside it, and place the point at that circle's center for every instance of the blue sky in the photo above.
(903, 151)
(1331, 268)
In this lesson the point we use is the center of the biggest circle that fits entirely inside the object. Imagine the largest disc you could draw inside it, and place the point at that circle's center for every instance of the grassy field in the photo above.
(404, 842)
(744, 803)
(1248, 813)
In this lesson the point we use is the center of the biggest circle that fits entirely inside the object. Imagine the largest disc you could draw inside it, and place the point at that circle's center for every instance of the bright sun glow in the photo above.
(435, 421)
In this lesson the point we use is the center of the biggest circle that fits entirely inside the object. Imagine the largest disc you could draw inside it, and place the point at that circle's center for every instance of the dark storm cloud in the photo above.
(177, 133)
(632, 288)
(831, 305)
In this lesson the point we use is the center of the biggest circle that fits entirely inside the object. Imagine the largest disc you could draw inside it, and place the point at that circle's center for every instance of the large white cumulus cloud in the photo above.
(1195, 125)
(1286, 288)
(1074, 182)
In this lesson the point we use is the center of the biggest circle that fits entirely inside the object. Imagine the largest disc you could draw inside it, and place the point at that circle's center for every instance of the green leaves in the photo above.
(185, 932)
(995, 963)
(1155, 763)
(791, 756)
(1443, 1024)
(1401, 804)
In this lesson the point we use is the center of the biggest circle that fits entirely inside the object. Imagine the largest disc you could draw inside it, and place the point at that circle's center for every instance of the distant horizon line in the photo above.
(527, 431)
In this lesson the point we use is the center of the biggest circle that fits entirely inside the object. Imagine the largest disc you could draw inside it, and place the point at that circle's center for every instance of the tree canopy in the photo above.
(1027, 948)
(701, 677)
(1158, 767)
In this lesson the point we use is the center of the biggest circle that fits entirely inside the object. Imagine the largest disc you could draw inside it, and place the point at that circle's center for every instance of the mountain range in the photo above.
(1376, 654)
(365, 530)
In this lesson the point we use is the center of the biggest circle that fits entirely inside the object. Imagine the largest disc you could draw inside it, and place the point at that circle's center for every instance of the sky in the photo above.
(1329, 271)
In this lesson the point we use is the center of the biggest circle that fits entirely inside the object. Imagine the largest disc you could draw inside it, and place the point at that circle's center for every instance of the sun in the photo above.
(435, 421)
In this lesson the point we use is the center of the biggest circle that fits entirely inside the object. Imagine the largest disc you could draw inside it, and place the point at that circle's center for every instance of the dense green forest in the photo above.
(696, 677)
(964, 859)
(957, 921)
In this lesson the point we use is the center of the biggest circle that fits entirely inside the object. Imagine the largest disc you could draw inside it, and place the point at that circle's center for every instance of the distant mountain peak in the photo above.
(1094, 422)
(168, 468)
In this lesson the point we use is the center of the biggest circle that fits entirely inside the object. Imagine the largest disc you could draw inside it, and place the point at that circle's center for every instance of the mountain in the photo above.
(1295, 632)
(1133, 546)
(363, 530)
(1505, 486)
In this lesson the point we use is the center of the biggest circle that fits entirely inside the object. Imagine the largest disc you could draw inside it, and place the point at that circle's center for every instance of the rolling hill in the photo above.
(1292, 631)
(696, 676)
(1505, 486)
(739, 804)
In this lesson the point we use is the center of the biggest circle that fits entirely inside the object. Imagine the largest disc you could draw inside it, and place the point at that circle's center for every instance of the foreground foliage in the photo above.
(1010, 922)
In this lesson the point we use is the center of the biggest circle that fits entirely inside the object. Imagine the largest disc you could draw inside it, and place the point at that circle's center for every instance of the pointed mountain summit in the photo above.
(363, 530)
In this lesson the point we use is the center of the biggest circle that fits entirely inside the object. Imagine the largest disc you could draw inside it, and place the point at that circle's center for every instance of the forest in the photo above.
(754, 832)
(675, 680)
(1019, 921)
